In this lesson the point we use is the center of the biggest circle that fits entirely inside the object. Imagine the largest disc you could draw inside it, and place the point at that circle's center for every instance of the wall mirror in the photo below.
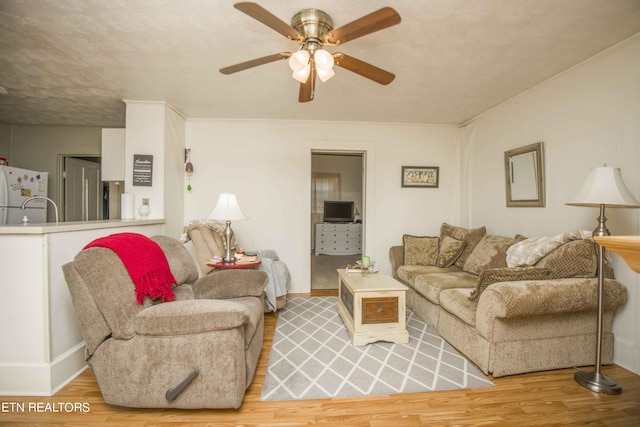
(524, 176)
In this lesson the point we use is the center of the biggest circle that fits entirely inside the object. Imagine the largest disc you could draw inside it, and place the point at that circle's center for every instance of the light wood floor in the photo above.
(548, 398)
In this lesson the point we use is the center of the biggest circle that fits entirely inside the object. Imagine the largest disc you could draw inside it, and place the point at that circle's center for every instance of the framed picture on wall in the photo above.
(420, 176)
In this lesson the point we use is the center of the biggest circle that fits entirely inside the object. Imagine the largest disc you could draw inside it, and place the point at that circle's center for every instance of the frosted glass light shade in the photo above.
(227, 208)
(325, 75)
(303, 75)
(299, 60)
(323, 59)
(604, 186)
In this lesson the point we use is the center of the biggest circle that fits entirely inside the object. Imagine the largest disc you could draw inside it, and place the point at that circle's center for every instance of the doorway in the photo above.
(335, 176)
(82, 189)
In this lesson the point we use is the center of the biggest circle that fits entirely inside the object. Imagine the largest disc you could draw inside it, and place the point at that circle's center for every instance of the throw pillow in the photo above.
(450, 250)
(489, 277)
(576, 258)
(420, 250)
(470, 235)
(490, 252)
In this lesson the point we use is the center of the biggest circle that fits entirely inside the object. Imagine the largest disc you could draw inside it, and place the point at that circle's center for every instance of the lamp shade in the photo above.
(604, 186)
(303, 74)
(299, 60)
(323, 59)
(227, 208)
(325, 75)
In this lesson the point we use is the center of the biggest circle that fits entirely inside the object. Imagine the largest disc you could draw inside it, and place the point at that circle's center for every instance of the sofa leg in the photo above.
(172, 393)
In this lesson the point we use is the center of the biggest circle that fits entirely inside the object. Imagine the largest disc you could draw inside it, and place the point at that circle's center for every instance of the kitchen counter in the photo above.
(61, 227)
(42, 347)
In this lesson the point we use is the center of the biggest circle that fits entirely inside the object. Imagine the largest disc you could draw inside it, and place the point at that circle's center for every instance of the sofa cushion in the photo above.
(471, 236)
(430, 285)
(408, 273)
(420, 250)
(456, 301)
(180, 261)
(449, 251)
(495, 275)
(490, 252)
(576, 258)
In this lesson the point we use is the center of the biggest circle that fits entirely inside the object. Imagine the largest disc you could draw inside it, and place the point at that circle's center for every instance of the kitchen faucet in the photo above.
(41, 197)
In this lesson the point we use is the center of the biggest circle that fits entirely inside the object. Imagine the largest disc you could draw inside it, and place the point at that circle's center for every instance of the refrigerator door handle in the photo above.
(4, 189)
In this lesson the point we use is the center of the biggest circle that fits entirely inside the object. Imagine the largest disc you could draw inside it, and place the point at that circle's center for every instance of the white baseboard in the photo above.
(624, 355)
(42, 379)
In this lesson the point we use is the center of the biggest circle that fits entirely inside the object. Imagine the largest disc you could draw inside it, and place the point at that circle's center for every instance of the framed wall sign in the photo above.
(420, 176)
(142, 170)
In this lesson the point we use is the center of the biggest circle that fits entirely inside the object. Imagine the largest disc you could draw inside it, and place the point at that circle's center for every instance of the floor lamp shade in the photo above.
(603, 188)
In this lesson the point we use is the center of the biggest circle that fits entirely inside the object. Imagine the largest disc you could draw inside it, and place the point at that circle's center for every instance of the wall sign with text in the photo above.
(142, 170)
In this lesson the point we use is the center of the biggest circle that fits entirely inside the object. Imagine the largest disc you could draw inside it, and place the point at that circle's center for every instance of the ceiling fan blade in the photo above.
(369, 71)
(254, 63)
(259, 13)
(308, 89)
(376, 21)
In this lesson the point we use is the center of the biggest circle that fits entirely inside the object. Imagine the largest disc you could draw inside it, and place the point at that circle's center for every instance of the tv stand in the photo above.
(338, 239)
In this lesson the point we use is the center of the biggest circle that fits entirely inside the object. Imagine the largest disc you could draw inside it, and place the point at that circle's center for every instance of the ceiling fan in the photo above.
(313, 29)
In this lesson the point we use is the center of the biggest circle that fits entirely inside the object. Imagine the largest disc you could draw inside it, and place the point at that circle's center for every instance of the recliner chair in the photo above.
(198, 351)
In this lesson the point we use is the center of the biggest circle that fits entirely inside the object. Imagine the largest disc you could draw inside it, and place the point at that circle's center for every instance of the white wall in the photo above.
(5, 141)
(157, 129)
(145, 134)
(268, 165)
(586, 116)
(174, 177)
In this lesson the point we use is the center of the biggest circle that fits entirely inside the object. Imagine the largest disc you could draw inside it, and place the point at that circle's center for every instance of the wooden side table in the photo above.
(238, 264)
(373, 307)
(628, 247)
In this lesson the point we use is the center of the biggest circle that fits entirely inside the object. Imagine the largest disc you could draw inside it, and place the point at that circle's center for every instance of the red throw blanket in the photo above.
(145, 261)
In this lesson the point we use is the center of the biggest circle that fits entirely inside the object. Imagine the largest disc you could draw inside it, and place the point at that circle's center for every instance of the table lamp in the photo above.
(227, 210)
(604, 187)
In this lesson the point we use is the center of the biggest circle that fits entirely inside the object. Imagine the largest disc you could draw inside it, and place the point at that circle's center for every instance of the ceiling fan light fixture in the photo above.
(323, 59)
(303, 74)
(325, 75)
(299, 60)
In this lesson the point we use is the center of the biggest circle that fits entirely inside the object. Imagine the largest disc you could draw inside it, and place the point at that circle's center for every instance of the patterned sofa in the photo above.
(508, 320)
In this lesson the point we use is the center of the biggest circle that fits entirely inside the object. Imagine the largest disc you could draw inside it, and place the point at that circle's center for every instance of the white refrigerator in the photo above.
(16, 186)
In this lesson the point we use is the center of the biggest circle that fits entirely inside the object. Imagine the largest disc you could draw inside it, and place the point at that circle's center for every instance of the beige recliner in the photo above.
(198, 351)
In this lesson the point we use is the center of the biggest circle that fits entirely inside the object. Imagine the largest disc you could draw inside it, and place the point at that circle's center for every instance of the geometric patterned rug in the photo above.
(312, 358)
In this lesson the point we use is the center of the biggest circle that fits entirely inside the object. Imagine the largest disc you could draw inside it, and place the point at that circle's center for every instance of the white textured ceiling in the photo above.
(72, 62)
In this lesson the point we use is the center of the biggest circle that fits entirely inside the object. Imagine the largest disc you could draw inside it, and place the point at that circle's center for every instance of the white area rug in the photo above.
(312, 358)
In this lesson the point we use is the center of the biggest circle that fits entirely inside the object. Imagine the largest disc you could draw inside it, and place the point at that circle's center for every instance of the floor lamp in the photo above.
(603, 188)
(227, 209)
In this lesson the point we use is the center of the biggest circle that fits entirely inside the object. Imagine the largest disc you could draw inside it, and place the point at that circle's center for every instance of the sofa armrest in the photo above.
(190, 317)
(231, 284)
(396, 256)
(506, 300)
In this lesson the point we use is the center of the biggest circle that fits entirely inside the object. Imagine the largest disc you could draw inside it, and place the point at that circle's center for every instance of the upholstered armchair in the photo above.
(198, 351)
(206, 240)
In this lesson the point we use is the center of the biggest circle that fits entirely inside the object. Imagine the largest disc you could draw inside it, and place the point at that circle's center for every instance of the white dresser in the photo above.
(338, 239)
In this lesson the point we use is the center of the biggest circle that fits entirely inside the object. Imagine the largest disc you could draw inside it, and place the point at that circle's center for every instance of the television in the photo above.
(337, 211)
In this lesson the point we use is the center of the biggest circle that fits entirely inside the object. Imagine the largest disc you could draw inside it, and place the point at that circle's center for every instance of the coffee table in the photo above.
(372, 307)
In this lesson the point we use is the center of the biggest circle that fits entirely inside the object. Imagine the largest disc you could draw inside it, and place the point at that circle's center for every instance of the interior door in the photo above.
(82, 190)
